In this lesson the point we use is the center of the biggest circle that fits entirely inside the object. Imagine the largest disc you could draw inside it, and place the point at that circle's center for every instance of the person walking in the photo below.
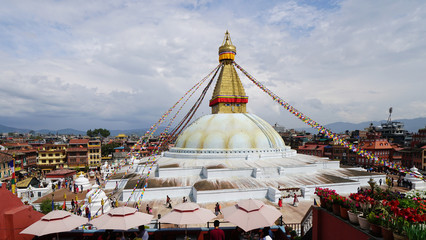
(280, 202)
(295, 200)
(167, 200)
(217, 233)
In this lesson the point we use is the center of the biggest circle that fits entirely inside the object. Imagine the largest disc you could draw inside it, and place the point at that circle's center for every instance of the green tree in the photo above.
(108, 149)
(90, 133)
(104, 132)
(46, 206)
(98, 132)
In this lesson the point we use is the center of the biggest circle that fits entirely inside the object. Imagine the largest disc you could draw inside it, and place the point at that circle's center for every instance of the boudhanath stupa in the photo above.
(231, 154)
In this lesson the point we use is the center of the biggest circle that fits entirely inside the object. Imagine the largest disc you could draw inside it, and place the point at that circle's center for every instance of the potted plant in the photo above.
(374, 221)
(353, 212)
(335, 200)
(345, 205)
(398, 226)
(415, 231)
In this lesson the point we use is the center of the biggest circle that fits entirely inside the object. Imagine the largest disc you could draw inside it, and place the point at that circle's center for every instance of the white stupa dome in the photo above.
(83, 181)
(230, 131)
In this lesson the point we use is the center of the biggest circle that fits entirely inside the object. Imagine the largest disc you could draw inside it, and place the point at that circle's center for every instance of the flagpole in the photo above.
(13, 176)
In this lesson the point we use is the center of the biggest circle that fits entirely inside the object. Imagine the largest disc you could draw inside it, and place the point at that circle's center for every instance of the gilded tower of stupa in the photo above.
(228, 95)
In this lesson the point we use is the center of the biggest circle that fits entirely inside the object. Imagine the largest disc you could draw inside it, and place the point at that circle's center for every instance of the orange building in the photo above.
(380, 147)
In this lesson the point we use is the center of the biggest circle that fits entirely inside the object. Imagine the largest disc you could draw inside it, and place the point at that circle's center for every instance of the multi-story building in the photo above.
(380, 147)
(312, 149)
(344, 154)
(94, 153)
(412, 157)
(51, 156)
(393, 131)
(77, 153)
(5, 171)
(419, 139)
(423, 158)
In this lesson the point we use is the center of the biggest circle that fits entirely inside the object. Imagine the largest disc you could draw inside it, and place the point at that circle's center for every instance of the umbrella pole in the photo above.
(57, 236)
(186, 231)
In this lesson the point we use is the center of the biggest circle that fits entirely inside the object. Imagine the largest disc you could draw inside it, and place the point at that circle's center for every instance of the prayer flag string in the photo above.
(336, 138)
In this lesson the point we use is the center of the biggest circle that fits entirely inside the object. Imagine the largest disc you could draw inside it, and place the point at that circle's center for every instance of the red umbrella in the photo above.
(55, 222)
(251, 214)
(121, 218)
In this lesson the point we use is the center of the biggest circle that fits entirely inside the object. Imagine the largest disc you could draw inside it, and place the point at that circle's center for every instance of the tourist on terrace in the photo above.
(143, 234)
(217, 233)
(266, 233)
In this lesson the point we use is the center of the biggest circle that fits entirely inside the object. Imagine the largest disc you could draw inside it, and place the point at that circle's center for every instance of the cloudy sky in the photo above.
(122, 64)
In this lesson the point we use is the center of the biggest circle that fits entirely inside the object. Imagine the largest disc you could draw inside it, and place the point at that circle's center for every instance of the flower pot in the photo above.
(363, 223)
(396, 236)
(322, 202)
(336, 209)
(376, 230)
(353, 217)
(344, 213)
(328, 206)
(387, 233)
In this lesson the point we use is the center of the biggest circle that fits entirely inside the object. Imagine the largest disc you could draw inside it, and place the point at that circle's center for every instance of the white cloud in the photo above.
(122, 64)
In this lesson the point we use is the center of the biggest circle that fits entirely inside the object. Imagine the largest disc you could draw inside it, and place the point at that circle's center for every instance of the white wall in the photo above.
(230, 195)
(234, 172)
(157, 193)
(111, 184)
(179, 172)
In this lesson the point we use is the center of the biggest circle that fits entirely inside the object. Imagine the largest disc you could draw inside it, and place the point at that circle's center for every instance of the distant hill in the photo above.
(411, 125)
(66, 131)
(71, 131)
(6, 129)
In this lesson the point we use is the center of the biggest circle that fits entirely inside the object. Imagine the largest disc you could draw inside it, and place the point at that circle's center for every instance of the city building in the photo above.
(313, 149)
(5, 171)
(77, 153)
(377, 145)
(343, 154)
(412, 157)
(94, 153)
(393, 131)
(51, 156)
(419, 138)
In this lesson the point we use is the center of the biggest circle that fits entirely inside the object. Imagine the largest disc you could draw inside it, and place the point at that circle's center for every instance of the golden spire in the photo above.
(227, 51)
(229, 95)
